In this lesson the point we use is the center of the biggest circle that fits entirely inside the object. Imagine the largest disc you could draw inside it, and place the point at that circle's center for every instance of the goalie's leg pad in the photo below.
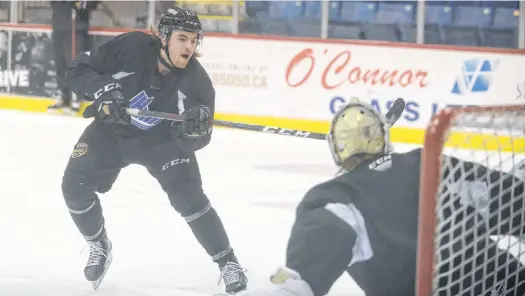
(284, 282)
(320, 247)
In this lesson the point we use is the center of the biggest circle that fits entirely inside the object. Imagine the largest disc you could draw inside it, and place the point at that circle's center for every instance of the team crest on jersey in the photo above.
(142, 101)
(79, 150)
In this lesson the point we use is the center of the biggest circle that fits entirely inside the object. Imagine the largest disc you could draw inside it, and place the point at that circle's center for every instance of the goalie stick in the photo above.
(392, 116)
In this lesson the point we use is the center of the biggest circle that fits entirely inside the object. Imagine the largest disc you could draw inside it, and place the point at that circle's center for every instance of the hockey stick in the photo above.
(392, 116)
(155, 114)
(237, 125)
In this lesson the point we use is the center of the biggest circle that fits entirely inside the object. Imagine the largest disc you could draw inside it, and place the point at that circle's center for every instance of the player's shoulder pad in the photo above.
(198, 73)
(333, 190)
(136, 36)
(415, 151)
(409, 156)
(136, 43)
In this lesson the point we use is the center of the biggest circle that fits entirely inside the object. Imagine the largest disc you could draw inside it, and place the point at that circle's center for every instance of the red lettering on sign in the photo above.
(342, 69)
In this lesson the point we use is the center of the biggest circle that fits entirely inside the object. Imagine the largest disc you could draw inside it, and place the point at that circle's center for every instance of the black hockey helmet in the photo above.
(178, 19)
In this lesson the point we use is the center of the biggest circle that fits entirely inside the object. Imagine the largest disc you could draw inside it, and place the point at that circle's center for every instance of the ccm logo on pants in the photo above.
(175, 162)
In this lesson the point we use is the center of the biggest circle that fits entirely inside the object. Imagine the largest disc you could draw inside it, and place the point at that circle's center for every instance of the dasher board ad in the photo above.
(311, 80)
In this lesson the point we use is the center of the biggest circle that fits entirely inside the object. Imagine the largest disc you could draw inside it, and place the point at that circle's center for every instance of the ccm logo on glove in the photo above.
(107, 88)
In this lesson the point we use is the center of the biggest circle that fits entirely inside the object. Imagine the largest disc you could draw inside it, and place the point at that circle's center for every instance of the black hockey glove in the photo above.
(198, 123)
(109, 108)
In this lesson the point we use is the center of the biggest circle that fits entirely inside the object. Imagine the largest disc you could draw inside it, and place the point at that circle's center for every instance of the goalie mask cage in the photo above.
(453, 257)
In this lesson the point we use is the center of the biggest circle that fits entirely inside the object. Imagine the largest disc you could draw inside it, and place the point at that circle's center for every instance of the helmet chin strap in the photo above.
(169, 65)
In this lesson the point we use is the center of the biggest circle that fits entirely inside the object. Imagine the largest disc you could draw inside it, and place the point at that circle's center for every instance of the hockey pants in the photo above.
(96, 162)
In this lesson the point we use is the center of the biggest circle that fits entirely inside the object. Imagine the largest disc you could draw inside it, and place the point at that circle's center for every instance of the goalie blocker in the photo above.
(365, 221)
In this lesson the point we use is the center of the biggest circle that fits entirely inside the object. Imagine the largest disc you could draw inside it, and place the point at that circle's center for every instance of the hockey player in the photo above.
(365, 222)
(148, 72)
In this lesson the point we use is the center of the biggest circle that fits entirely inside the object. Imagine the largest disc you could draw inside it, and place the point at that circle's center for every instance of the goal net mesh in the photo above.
(477, 213)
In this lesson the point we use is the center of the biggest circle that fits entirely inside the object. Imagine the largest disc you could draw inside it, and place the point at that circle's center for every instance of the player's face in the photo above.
(182, 46)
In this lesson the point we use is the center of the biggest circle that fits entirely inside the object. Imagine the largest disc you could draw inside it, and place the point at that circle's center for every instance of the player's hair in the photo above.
(155, 32)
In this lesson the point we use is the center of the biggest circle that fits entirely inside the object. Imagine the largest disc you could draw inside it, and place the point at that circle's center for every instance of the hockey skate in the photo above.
(69, 107)
(99, 260)
(59, 107)
(74, 108)
(234, 279)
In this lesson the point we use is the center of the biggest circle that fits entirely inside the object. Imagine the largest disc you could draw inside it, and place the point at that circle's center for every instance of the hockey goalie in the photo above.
(365, 221)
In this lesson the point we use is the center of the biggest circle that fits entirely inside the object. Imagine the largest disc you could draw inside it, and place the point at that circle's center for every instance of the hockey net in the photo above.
(471, 221)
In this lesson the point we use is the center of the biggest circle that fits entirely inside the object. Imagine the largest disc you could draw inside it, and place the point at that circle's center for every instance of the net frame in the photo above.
(430, 178)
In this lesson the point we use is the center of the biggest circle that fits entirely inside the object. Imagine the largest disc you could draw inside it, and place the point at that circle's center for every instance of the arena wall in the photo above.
(299, 83)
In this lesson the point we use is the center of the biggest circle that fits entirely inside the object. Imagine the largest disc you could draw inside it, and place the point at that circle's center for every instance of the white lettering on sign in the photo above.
(18, 78)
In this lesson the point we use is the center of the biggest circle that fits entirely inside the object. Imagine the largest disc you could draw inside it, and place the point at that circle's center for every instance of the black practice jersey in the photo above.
(131, 60)
(383, 198)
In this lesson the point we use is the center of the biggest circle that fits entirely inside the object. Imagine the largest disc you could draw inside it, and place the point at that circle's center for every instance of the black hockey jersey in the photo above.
(131, 60)
(379, 202)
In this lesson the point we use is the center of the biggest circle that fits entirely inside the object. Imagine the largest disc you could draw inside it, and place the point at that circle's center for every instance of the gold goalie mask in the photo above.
(358, 133)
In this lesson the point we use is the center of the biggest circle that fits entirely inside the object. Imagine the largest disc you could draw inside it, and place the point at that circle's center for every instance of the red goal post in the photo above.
(493, 136)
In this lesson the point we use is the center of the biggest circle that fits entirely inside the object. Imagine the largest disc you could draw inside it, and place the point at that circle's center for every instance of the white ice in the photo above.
(254, 181)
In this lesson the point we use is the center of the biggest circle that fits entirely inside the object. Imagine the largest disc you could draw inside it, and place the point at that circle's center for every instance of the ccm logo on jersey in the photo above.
(381, 164)
(106, 88)
(175, 162)
(284, 131)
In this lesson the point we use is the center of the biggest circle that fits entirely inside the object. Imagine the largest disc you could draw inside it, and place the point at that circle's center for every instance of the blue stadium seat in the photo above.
(505, 38)
(335, 10)
(305, 27)
(383, 32)
(463, 3)
(345, 31)
(312, 9)
(469, 36)
(438, 3)
(250, 26)
(280, 27)
(255, 7)
(472, 16)
(505, 18)
(438, 14)
(496, 4)
(392, 13)
(285, 9)
(433, 34)
(358, 11)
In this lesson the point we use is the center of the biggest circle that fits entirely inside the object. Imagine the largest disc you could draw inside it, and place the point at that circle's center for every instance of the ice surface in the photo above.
(254, 180)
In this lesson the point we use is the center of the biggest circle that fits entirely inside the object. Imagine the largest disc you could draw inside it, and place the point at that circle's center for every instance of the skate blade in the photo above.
(61, 112)
(97, 283)
(69, 112)
(54, 111)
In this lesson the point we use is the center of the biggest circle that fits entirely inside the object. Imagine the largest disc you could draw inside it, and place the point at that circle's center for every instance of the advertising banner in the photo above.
(310, 80)
(300, 84)
(32, 69)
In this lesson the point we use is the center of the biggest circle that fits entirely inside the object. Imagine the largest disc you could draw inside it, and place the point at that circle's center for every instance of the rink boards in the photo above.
(299, 83)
